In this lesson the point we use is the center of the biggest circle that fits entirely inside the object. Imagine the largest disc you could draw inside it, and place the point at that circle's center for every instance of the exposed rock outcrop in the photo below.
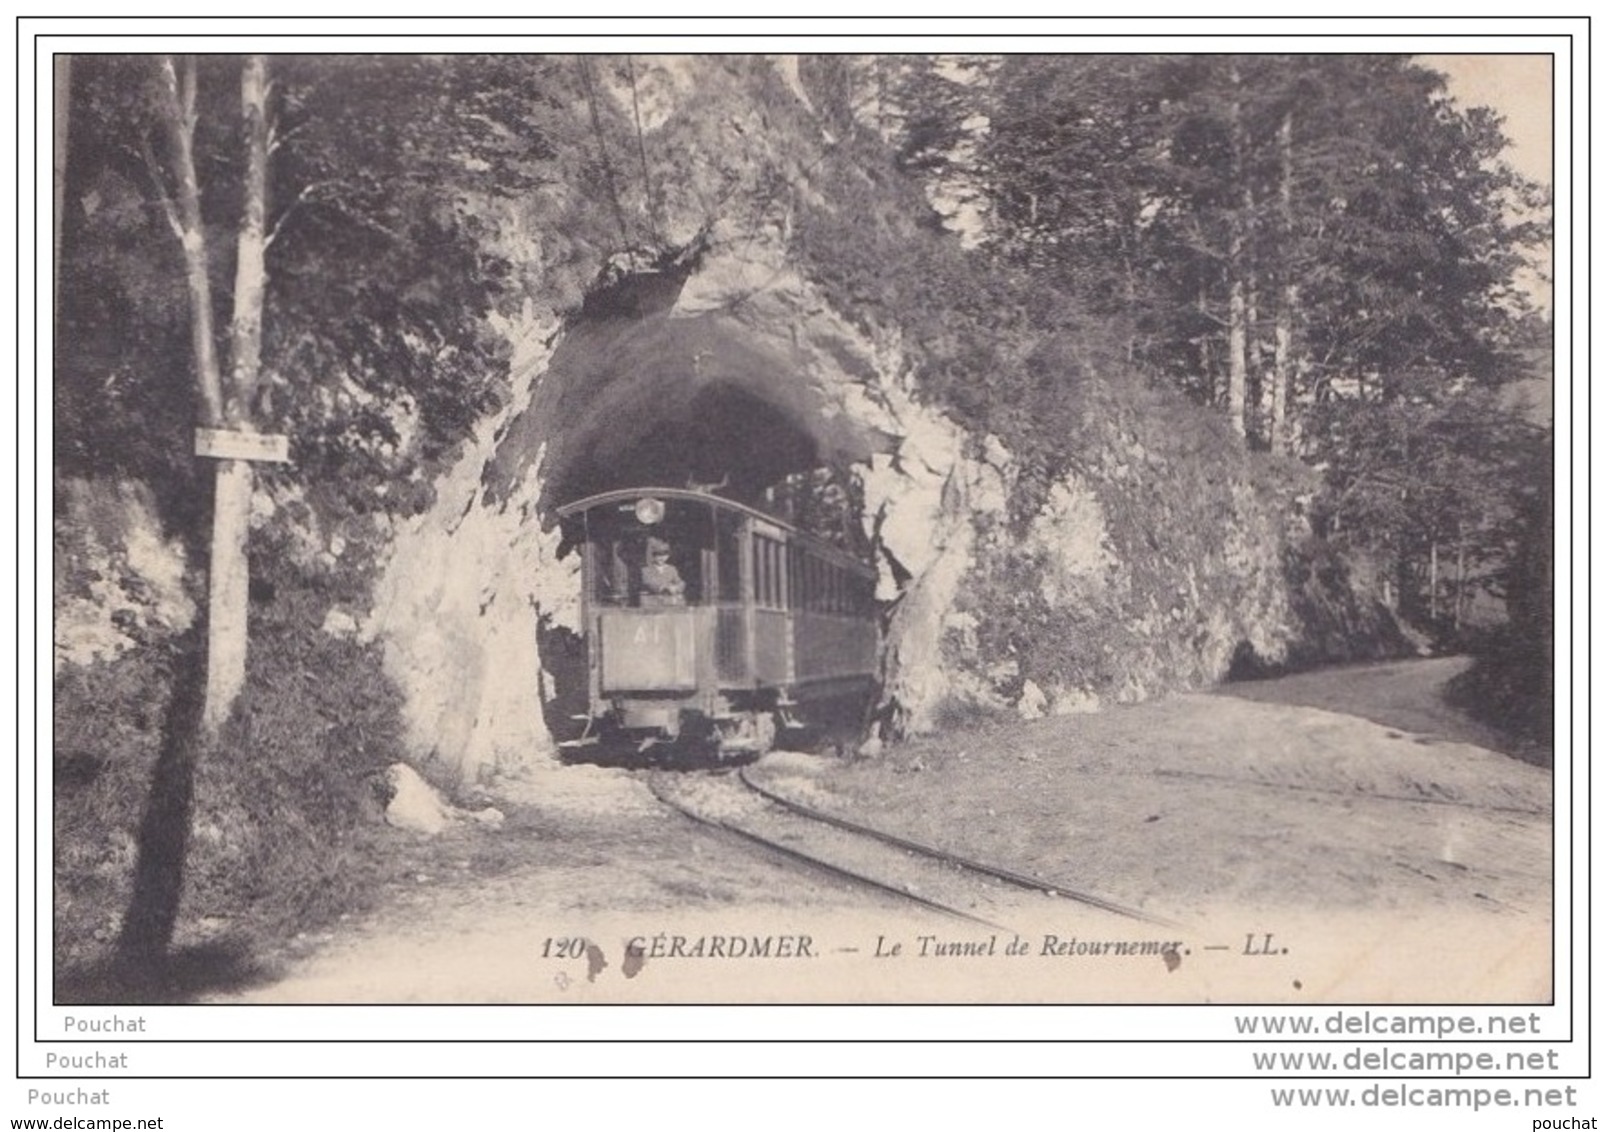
(719, 357)
(476, 608)
(418, 807)
(715, 352)
(119, 580)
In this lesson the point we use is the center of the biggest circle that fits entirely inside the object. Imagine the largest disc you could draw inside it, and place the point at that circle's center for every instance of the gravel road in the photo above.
(1350, 814)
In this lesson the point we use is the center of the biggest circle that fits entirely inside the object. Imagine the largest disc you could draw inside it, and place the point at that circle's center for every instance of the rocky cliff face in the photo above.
(1135, 574)
(119, 579)
(738, 371)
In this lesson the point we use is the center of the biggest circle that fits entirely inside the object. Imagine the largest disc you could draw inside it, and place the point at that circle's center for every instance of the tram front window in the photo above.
(662, 583)
(646, 566)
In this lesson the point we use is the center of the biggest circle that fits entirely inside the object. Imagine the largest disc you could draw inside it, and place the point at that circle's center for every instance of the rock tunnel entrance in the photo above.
(671, 399)
(723, 436)
(719, 400)
(739, 372)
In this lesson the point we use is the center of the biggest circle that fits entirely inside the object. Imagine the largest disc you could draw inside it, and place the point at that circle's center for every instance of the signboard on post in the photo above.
(259, 447)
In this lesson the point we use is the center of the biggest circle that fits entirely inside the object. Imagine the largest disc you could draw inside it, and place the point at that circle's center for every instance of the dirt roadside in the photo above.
(1369, 841)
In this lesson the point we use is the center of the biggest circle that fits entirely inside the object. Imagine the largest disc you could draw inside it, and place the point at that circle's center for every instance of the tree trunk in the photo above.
(1461, 578)
(178, 112)
(1283, 332)
(1434, 581)
(1254, 385)
(1238, 307)
(230, 581)
(1236, 339)
(250, 268)
(208, 682)
(153, 906)
(1282, 339)
(228, 592)
(227, 567)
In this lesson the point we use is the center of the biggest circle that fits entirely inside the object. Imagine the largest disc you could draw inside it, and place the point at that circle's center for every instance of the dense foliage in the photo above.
(281, 835)
(1328, 248)
(392, 184)
(399, 190)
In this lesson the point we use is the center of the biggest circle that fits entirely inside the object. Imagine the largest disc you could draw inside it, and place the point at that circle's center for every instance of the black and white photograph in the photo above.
(854, 526)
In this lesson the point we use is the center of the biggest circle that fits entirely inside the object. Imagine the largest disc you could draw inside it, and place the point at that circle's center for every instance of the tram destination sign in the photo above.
(227, 444)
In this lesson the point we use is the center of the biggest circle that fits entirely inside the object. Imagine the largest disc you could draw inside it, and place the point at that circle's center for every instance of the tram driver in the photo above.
(661, 581)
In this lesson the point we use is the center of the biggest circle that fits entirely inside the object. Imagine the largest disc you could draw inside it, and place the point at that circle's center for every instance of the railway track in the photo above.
(906, 870)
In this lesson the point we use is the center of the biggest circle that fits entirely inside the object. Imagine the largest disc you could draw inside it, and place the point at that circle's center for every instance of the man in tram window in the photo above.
(661, 581)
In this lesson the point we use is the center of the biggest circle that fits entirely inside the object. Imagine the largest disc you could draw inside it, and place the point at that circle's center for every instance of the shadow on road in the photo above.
(185, 976)
(1407, 695)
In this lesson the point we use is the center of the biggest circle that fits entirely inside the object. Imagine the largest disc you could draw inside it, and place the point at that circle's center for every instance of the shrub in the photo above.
(1511, 687)
(280, 805)
(281, 836)
(108, 719)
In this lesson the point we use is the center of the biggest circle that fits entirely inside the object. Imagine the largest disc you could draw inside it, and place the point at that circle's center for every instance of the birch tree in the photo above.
(310, 247)
(224, 400)
(1327, 248)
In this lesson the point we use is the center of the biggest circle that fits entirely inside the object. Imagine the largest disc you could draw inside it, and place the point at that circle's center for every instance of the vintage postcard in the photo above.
(1066, 523)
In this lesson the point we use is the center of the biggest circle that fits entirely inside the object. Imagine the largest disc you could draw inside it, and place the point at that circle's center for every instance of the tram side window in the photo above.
(776, 587)
(775, 564)
(772, 553)
(611, 573)
(728, 551)
(766, 572)
(761, 582)
(778, 562)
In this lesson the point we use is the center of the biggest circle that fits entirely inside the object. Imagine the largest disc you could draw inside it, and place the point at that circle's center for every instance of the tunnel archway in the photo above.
(721, 434)
(659, 398)
(637, 393)
(738, 375)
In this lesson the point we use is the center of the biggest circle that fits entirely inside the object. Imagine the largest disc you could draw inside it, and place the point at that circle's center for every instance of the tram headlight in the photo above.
(649, 510)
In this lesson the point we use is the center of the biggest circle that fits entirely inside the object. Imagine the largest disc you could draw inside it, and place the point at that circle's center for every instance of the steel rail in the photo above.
(1020, 880)
(816, 862)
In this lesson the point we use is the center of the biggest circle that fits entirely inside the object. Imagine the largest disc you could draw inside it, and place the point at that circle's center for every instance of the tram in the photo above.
(712, 624)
